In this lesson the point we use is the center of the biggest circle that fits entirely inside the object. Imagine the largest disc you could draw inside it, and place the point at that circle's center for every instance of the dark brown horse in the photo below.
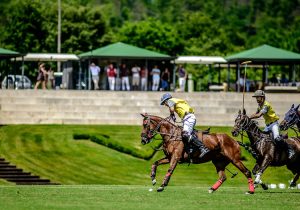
(223, 150)
(268, 154)
(291, 119)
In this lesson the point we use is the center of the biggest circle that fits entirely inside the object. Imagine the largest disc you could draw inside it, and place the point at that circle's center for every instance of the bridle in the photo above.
(246, 125)
(295, 119)
(295, 116)
(151, 133)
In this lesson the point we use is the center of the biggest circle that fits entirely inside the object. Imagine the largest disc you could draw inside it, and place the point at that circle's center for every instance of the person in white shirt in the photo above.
(95, 70)
(135, 77)
(155, 78)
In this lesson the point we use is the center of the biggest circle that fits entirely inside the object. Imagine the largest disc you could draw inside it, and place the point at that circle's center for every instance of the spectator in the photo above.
(125, 77)
(111, 74)
(135, 77)
(165, 79)
(95, 70)
(182, 75)
(41, 77)
(51, 78)
(155, 78)
(273, 80)
(284, 81)
(144, 77)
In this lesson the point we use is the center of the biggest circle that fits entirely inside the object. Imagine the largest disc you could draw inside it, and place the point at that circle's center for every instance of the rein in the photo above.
(152, 133)
(245, 126)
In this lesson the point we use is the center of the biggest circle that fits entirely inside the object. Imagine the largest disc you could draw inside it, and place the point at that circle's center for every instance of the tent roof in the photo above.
(122, 50)
(4, 53)
(48, 57)
(265, 53)
(200, 59)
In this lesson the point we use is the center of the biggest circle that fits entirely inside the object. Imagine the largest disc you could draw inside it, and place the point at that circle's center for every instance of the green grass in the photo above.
(138, 197)
(50, 151)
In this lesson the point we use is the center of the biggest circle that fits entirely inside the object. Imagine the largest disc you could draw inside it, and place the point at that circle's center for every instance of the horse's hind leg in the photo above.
(164, 160)
(220, 167)
(293, 183)
(246, 172)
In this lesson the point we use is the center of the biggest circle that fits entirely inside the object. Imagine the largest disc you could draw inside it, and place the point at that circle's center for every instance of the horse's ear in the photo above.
(244, 111)
(292, 106)
(144, 115)
(239, 112)
(297, 107)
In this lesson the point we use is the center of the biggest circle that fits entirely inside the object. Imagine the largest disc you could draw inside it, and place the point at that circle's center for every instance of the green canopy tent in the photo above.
(7, 55)
(120, 51)
(264, 55)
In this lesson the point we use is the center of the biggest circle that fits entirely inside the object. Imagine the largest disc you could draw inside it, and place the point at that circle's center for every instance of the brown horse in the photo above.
(223, 150)
(268, 154)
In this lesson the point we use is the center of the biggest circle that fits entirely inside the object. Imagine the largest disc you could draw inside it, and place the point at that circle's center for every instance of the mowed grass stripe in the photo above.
(138, 197)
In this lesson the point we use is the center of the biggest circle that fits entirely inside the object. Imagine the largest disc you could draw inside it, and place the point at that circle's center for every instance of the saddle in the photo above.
(199, 133)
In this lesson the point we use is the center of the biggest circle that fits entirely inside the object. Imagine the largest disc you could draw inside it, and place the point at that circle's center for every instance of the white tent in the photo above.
(48, 57)
(200, 60)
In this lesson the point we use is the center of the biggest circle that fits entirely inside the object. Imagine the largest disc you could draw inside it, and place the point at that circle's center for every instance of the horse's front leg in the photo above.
(164, 160)
(265, 163)
(173, 164)
(294, 182)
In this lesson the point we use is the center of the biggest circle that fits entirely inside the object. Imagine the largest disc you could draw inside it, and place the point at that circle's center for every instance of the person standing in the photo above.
(271, 118)
(182, 75)
(135, 77)
(155, 78)
(124, 77)
(165, 79)
(51, 78)
(188, 118)
(41, 77)
(111, 75)
(144, 78)
(95, 70)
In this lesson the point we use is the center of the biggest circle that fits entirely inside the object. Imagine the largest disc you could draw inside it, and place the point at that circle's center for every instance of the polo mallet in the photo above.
(245, 63)
(233, 174)
(245, 73)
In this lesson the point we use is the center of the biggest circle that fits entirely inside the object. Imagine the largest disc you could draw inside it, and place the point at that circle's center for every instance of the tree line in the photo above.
(186, 27)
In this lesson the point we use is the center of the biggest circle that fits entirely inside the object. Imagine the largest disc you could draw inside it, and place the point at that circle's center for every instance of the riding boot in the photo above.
(203, 149)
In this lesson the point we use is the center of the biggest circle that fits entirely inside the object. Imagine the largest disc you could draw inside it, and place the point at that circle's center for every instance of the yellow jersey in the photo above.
(181, 107)
(268, 113)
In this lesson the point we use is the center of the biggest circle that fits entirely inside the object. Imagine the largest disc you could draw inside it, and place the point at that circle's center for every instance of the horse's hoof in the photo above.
(292, 185)
(153, 181)
(160, 189)
(249, 193)
(211, 190)
(265, 187)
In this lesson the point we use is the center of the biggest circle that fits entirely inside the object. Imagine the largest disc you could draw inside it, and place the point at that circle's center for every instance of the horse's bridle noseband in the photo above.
(152, 133)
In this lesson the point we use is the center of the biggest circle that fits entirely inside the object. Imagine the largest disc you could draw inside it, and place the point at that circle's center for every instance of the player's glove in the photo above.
(173, 117)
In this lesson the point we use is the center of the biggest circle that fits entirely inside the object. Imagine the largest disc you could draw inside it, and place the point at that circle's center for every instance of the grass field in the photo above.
(138, 197)
(95, 176)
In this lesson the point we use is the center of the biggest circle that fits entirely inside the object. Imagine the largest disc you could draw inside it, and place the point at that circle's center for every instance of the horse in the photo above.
(268, 154)
(291, 118)
(223, 150)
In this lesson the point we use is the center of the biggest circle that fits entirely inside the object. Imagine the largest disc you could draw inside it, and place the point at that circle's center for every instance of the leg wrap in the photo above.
(217, 184)
(251, 185)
